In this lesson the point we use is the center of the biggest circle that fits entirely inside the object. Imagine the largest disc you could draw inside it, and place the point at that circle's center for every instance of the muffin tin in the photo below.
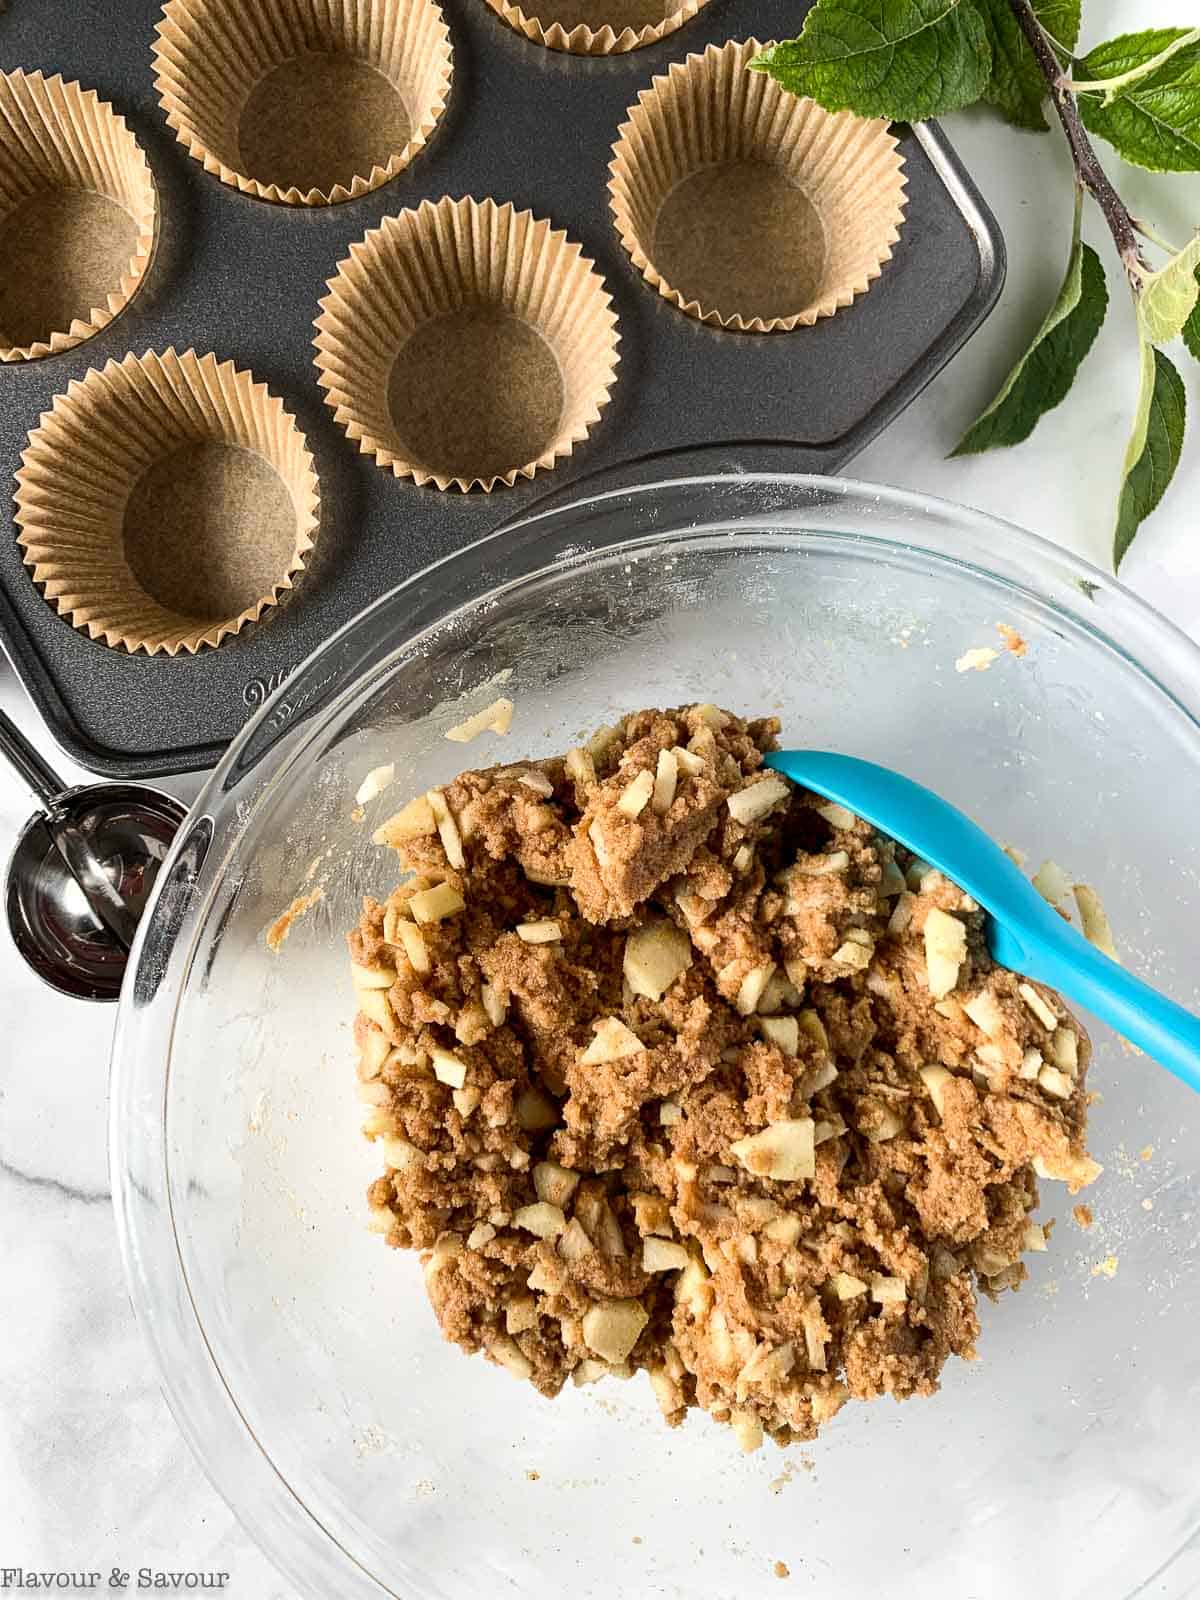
(240, 277)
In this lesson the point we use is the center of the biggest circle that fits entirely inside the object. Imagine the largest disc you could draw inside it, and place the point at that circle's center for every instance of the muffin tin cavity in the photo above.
(308, 102)
(78, 213)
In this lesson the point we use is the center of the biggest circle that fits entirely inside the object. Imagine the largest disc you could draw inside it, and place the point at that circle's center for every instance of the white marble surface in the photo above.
(92, 1471)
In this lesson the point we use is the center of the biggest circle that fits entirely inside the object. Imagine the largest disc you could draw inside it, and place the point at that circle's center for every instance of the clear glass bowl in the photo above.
(300, 1357)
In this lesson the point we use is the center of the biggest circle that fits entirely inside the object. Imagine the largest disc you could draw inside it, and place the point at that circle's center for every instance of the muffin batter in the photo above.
(676, 1067)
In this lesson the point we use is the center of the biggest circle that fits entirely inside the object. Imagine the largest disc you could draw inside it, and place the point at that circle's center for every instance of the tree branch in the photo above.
(1087, 164)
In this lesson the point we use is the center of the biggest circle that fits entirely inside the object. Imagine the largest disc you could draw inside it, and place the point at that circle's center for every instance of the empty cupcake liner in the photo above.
(304, 102)
(78, 215)
(596, 27)
(466, 344)
(165, 501)
(747, 206)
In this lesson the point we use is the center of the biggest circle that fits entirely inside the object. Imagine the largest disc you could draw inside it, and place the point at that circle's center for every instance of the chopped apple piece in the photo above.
(692, 1289)
(507, 1353)
(846, 1286)
(1038, 1006)
(984, 1011)
(888, 1291)
(636, 797)
(902, 912)
(535, 1111)
(448, 1068)
(1075, 1171)
(373, 1004)
(747, 1430)
(375, 782)
(836, 816)
(1034, 1237)
(380, 1220)
(1064, 1047)
(520, 1315)
(436, 904)
(1055, 1083)
(655, 955)
(541, 1218)
(669, 1112)
(371, 977)
(814, 1339)
(754, 801)
(854, 955)
(413, 821)
(663, 1255)
(466, 1101)
(1052, 883)
(544, 932)
(886, 1126)
(978, 659)
(752, 988)
(810, 1021)
(448, 1247)
(399, 1154)
(687, 761)
(614, 1327)
(935, 1080)
(553, 1183)
(892, 882)
(590, 1370)
(483, 1233)
(710, 716)
(743, 858)
(447, 829)
(415, 948)
(580, 766)
(1096, 929)
(783, 1032)
(574, 1243)
(496, 1009)
(1031, 1064)
(828, 1129)
(496, 718)
(613, 1042)
(666, 779)
(769, 1364)
(784, 1230)
(784, 1151)
(374, 1052)
(945, 951)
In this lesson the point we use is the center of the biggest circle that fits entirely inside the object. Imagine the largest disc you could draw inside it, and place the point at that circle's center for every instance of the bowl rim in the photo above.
(236, 1462)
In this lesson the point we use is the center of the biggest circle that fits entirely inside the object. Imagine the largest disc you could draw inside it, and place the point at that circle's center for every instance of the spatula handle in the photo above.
(1164, 1030)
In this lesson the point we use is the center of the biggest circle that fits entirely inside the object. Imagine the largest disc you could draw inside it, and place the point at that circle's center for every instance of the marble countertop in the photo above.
(93, 1473)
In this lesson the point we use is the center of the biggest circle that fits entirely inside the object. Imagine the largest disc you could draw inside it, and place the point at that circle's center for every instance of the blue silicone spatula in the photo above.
(1025, 934)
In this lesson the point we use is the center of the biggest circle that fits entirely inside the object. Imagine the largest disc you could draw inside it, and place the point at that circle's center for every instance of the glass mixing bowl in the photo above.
(368, 1457)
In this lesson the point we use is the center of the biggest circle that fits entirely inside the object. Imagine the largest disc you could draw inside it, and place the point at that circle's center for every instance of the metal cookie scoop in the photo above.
(81, 872)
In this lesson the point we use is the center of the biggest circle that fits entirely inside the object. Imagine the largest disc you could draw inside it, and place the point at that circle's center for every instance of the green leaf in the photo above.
(1154, 447)
(1168, 297)
(1016, 86)
(1044, 374)
(1191, 328)
(1155, 121)
(903, 59)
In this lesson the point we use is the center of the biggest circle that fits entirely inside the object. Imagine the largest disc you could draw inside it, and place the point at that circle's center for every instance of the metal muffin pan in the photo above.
(242, 277)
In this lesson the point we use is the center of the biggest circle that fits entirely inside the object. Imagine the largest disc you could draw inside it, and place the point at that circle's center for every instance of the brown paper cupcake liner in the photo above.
(597, 27)
(78, 215)
(304, 102)
(466, 344)
(747, 206)
(165, 501)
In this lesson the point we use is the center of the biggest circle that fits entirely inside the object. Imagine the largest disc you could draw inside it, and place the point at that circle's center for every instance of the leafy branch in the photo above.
(912, 59)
